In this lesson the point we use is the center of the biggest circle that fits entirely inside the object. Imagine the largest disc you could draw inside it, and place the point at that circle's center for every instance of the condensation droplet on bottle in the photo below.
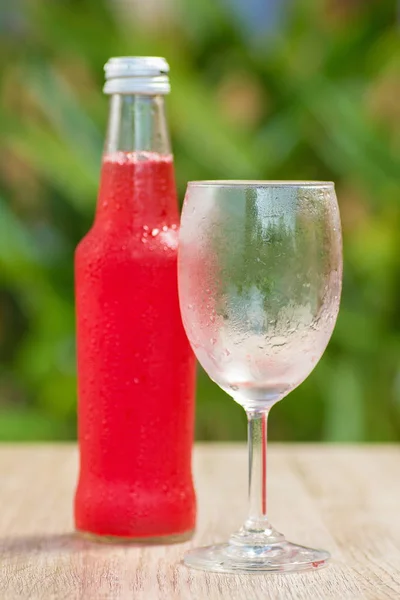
(226, 352)
(155, 232)
(213, 341)
(190, 306)
(165, 228)
(212, 318)
(135, 380)
(234, 388)
(174, 226)
(145, 227)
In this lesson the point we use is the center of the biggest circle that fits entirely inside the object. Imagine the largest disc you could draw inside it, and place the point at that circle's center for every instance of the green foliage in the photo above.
(318, 99)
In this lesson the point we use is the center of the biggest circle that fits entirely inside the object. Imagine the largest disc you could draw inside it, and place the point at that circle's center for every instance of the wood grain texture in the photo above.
(345, 499)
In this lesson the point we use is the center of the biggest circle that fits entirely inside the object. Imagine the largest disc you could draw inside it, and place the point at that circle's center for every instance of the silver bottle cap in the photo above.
(136, 75)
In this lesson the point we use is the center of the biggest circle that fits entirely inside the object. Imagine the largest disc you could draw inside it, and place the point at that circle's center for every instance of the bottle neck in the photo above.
(137, 123)
(137, 185)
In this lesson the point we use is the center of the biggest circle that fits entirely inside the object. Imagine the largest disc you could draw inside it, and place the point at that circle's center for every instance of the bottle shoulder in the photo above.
(143, 244)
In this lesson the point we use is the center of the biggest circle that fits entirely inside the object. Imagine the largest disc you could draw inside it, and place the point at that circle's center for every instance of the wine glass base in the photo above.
(232, 558)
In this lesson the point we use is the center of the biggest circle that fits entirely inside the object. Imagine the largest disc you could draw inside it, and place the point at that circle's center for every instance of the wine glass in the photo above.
(260, 270)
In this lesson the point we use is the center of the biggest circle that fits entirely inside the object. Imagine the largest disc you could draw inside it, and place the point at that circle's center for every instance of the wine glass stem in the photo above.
(257, 441)
(257, 530)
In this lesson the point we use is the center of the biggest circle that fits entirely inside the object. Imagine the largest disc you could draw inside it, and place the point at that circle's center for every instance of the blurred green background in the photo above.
(277, 89)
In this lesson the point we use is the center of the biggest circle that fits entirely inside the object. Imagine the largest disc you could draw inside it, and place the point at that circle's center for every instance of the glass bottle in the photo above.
(136, 371)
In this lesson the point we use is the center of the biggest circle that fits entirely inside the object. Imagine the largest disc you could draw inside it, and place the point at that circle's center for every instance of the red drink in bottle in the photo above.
(136, 371)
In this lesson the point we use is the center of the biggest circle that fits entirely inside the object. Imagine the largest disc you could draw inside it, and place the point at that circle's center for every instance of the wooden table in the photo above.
(345, 499)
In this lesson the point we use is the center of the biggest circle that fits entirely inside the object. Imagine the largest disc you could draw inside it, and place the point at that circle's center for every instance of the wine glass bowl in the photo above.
(260, 280)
